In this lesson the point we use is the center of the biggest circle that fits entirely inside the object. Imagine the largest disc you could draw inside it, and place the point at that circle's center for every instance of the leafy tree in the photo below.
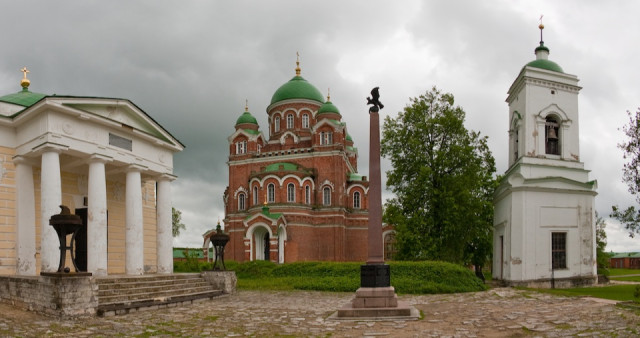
(443, 180)
(630, 174)
(602, 256)
(176, 218)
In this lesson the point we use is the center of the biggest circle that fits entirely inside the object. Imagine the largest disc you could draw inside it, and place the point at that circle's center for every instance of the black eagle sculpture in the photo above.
(375, 99)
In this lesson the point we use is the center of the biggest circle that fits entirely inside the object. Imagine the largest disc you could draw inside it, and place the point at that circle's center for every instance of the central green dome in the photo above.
(297, 88)
(545, 64)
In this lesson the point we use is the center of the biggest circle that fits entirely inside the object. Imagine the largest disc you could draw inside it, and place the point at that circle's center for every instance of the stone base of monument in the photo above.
(377, 303)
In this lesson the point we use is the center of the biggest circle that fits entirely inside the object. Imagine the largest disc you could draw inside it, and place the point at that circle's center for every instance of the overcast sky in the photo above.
(191, 65)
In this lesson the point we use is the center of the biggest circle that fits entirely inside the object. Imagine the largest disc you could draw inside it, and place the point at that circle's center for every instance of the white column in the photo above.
(164, 245)
(134, 237)
(25, 218)
(50, 198)
(97, 217)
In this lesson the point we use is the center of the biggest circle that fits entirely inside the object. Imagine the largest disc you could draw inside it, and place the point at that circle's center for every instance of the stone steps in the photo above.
(124, 294)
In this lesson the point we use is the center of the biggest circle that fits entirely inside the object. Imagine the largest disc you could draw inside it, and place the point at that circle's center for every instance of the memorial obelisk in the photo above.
(375, 298)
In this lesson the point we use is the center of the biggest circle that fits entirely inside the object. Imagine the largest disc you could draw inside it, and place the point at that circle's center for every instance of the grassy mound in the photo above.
(406, 277)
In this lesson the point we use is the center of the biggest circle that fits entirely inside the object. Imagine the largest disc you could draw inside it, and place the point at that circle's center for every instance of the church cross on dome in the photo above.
(297, 64)
(25, 82)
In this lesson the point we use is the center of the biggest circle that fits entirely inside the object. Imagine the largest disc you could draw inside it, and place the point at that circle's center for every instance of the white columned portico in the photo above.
(134, 238)
(25, 218)
(164, 225)
(97, 216)
(51, 198)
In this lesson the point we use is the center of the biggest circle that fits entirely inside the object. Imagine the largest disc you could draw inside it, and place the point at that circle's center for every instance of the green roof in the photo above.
(328, 107)
(626, 254)
(23, 98)
(297, 88)
(349, 137)
(246, 117)
(355, 177)
(286, 166)
(545, 64)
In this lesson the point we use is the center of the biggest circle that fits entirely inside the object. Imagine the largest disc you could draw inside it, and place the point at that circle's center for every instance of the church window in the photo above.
(307, 194)
(291, 193)
(276, 124)
(390, 246)
(271, 193)
(241, 147)
(326, 196)
(558, 250)
(552, 134)
(305, 121)
(326, 138)
(241, 201)
(255, 195)
(290, 121)
(259, 148)
(356, 200)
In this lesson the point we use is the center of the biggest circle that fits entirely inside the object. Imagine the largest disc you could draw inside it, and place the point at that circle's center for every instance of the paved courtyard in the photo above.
(500, 312)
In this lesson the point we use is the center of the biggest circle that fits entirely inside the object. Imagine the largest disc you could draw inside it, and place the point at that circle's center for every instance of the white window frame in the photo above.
(356, 200)
(326, 138)
(290, 121)
(326, 196)
(307, 194)
(276, 124)
(241, 202)
(241, 147)
(255, 195)
(305, 121)
(291, 193)
(271, 193)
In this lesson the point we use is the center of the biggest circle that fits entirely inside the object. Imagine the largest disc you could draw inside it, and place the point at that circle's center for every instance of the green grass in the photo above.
(614, 292)
(406, 277)
(621, 272)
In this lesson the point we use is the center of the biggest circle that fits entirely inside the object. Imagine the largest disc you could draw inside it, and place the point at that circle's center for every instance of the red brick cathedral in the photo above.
(296, 196)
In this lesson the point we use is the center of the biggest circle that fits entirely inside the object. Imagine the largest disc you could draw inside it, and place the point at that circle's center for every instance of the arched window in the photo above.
(326, 196)
(552, 135)
(241, 202)
(305, 121)
(307, 194)
(291, 193)
(271, 193)
(276, 124)
(290, 121)
(255, 195)
(356, 200)
(389, 246)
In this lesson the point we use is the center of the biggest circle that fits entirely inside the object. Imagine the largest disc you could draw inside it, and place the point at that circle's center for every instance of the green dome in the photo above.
(297, 88)
(23, 98)
(246, 117)
(545, 64)
(328, 107)
(349, 137)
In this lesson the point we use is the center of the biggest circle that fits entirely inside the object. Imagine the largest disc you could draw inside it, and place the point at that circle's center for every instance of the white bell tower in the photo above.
(544, 207)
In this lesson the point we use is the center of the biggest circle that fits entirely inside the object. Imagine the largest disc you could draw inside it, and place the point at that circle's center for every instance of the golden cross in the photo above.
(246, 104)
(25, 71)
(329, 94)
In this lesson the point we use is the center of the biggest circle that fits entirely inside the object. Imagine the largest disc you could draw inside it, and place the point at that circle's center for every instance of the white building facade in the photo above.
(104, 158)
(544, 214)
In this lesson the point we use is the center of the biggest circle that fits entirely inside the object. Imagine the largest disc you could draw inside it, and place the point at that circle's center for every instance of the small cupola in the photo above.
(328, 111)
(246, 120)
(542, 57)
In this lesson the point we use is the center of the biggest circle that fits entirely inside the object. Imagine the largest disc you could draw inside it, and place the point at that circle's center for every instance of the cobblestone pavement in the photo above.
(500, 312)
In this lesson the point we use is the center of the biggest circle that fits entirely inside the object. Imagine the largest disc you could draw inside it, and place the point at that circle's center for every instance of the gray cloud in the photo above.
(192, 64)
